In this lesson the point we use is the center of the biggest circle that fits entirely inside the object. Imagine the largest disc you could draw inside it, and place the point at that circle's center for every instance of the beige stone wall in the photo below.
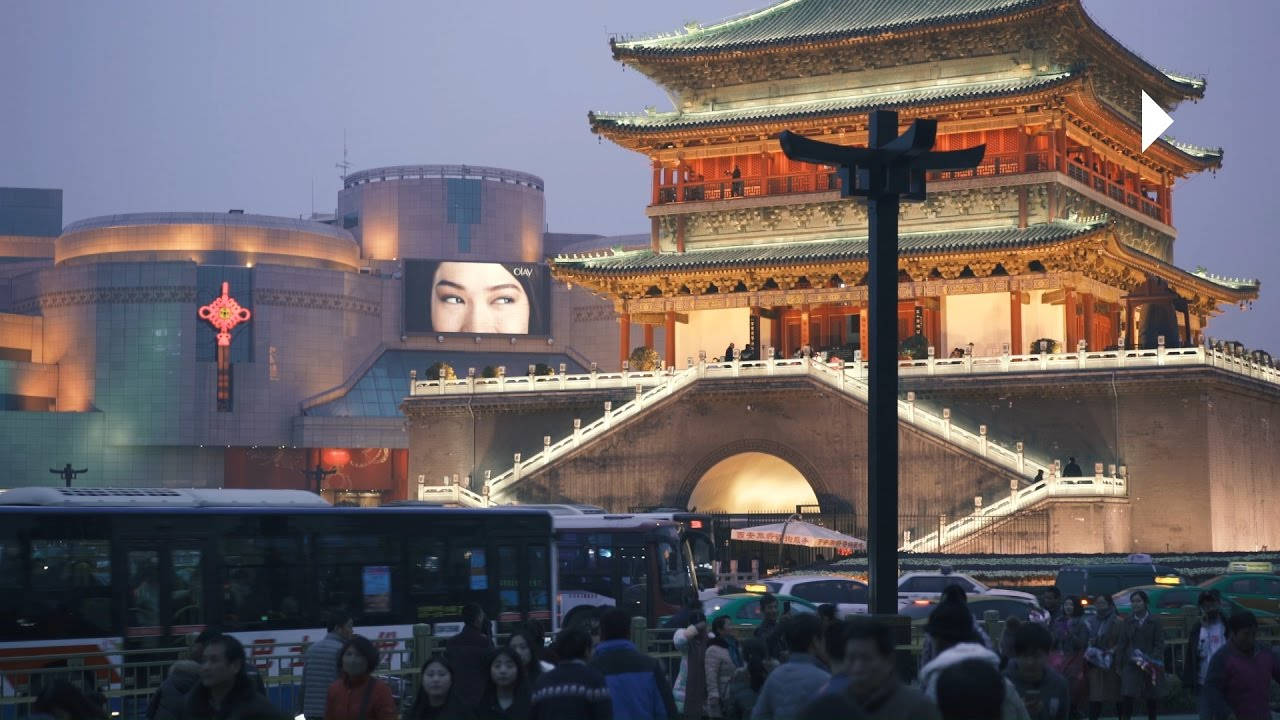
(1199, 445)
(23, 332)
(1243, 429)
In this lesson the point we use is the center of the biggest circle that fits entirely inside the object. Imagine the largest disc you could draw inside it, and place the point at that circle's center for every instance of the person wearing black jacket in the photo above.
(225, 690)
(467, 652)
(768, 631)
(1205, 638)
(637, 685)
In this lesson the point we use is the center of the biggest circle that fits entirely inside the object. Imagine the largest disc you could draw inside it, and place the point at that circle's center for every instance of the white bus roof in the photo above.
(605, 522)
(158, 497)
(563, 509)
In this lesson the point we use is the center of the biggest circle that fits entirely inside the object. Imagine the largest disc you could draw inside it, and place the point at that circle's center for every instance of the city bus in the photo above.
(698, 530)
(638, 563)
(88, 570)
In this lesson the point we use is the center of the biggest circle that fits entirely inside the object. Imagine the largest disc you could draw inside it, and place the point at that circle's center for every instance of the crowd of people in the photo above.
(1061, 664)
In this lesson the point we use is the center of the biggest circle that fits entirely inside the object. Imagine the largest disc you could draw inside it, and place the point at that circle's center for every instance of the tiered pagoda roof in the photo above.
(610, 271)
(853, 248)
(825, 22)
(850, 104)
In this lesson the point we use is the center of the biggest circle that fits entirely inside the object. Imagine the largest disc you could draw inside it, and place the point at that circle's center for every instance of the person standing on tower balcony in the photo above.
(1072, 469)
(736, 175)
(729, 353)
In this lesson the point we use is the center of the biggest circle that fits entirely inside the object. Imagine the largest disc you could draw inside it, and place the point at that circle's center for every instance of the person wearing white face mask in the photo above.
(356, 694)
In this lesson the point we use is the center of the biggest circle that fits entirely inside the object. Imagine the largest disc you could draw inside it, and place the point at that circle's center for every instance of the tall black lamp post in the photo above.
(317, 476)
(891, 168)
(67, 473)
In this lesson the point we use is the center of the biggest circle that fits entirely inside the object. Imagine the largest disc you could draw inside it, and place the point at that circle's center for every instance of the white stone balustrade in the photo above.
(1024, 499)
(969, 365)
(653, 386)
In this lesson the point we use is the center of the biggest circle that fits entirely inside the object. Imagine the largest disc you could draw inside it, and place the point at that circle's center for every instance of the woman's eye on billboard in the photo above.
(479, 298)
(471, 297)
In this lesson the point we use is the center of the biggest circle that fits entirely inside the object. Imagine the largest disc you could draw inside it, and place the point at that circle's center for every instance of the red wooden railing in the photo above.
(994, 164)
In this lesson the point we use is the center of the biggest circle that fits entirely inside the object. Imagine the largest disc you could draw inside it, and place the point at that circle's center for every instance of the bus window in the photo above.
(704, 565)
(429, 559)
(446, 574)
(508, 574)
(587, 564)
(144, 588)
(357, 573)
(674, 571)
(70, 589)
(187, 587)
(262, 581)
(539, 582)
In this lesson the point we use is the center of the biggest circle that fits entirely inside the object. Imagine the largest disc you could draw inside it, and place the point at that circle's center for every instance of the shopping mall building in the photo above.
(111, 357)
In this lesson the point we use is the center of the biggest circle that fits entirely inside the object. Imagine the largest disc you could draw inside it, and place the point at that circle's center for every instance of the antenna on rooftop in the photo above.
(344, 165)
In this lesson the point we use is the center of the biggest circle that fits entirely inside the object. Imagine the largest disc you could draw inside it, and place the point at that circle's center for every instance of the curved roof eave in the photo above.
(604, 122)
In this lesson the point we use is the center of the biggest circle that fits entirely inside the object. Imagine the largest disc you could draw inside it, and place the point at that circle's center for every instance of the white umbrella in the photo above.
(799, 532)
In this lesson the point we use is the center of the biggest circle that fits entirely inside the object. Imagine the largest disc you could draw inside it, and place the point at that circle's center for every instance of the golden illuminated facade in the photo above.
(1064, 232)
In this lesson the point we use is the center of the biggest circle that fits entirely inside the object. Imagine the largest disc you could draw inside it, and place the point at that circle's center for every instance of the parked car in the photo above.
(1166, 600)
(1259, 592)
(848, 595)
(1090, 581)
(1177, 601)
(744, 608)
(929, 586)
(1005, 606)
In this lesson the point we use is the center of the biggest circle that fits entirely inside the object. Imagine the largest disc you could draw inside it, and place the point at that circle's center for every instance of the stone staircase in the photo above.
(655, 386)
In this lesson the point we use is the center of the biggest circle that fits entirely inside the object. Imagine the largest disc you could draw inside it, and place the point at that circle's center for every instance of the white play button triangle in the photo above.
(1154, 121)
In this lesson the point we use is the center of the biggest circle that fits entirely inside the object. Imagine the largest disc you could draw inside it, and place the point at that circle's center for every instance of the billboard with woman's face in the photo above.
(475, 297)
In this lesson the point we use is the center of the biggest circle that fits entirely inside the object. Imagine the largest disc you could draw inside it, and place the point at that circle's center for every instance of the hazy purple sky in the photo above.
(134, 106)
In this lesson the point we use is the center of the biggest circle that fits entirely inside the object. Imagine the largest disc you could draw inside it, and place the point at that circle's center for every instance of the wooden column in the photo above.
(864, 337)
(670, 331)
(1015, 323)
(680, 173)
(624, 337)
(648, 335)
(1022, 207)
(1131, 332)
(1087, 300)
(680, 222)
(804, 325)
(657, 180)
(764, 172)
(654, 230)
(1069, 316)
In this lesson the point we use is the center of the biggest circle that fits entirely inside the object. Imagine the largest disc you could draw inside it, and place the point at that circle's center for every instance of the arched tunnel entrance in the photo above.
(752, 482)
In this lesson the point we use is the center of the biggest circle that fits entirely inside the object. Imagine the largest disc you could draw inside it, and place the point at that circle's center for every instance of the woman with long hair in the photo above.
(436, 699)
(1106, 641)
(527, 643)
(720, 667)
(507, 693)
(1070, 635)
(356, 694)
(745, 686)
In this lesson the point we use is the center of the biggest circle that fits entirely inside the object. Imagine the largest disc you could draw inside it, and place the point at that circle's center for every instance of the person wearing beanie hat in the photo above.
(952, 631)
(953, 595)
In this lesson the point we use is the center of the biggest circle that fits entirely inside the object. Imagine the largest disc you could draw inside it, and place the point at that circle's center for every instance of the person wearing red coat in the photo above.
(357, 694)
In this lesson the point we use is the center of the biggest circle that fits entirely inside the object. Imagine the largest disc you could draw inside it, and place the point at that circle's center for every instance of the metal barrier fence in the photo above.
(129, 678)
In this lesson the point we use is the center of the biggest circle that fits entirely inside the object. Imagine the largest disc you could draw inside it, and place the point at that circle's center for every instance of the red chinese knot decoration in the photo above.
(224, 313)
